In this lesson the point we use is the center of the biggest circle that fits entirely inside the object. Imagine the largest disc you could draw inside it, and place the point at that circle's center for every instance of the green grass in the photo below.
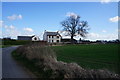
(15, 42)
(92, 56)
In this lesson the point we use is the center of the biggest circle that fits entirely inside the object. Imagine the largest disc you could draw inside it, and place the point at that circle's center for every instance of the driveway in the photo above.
(10, 68)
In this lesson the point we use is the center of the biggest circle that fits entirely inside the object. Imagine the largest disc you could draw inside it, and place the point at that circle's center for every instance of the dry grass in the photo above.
(44, 56)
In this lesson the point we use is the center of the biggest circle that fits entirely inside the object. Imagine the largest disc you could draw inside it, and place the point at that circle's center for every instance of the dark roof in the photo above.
(25, 36)
(52, 33)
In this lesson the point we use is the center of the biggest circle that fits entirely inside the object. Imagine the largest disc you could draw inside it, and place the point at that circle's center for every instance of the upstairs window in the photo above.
(57, 36)
(49, 36)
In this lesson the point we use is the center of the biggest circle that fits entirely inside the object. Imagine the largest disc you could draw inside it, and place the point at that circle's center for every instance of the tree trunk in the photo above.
(72, 41)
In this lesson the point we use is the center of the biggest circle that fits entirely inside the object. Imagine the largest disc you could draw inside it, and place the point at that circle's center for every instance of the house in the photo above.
(52, 37)
(30, 38)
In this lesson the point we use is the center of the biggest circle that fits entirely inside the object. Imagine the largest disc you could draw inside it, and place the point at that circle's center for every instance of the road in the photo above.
(0, 63)
(12, 69)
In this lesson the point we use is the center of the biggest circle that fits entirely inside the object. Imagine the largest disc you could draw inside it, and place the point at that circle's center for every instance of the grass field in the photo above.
(92, 56)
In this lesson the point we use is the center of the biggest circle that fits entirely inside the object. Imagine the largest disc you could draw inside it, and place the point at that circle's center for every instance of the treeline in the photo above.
(14, 42)
(20, 42)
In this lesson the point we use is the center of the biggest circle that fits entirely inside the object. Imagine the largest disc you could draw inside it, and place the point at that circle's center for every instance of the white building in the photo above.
(30, 38)
(52, 37)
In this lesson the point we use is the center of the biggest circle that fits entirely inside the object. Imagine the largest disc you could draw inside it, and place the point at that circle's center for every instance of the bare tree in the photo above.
(75, 27)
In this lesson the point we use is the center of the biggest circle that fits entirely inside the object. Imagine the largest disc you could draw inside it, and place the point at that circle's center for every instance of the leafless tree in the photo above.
(75, 27)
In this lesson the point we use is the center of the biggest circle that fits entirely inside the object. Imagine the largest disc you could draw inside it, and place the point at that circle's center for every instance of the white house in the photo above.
(30, 38)
(52, 37)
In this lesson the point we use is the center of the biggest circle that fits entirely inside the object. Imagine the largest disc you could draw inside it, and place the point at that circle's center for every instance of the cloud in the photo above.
(92, 36)
(114, 19)
(28, 29)
(41, 35)
(13, 32)
(10, 31)
(15, 17)
(71, 14)
(64, 34)
(1, 23)
(96, 36)
(9, 27)
(104, 31)
(105, 1)
(119, 34)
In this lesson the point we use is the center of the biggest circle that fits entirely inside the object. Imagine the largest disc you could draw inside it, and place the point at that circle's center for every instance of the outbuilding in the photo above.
(30, 38)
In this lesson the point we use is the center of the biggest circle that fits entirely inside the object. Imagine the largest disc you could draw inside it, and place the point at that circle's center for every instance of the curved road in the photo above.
(10, 68)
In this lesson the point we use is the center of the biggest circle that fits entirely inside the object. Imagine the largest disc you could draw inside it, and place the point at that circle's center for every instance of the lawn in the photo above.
(90, 56)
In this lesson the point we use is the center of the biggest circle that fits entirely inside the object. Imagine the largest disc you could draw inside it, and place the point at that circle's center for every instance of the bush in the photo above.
(44, 58)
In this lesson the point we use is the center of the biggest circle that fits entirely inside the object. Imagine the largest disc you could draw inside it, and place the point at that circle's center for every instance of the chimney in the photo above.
(45, 31)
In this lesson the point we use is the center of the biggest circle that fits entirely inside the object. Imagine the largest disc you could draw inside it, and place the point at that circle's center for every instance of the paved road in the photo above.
(0, 63)
(10, 68)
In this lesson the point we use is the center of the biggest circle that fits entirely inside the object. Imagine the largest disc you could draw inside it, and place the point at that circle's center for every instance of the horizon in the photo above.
(31, 18)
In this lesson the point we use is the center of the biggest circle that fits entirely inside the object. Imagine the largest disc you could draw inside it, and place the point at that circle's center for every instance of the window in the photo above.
(52, 40)
(57, 36)
(35, 38)
(57, 40)
(49, 36)
(52, 36)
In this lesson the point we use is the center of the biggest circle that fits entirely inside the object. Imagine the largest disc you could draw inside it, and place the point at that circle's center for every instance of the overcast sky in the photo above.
(28, 18)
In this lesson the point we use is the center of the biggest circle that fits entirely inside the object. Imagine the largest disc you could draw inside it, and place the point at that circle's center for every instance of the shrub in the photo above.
(45, 58)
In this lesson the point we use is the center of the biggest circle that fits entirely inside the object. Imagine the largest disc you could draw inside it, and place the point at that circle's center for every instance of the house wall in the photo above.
(35, 38)
(53, 39)
(45, 37)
